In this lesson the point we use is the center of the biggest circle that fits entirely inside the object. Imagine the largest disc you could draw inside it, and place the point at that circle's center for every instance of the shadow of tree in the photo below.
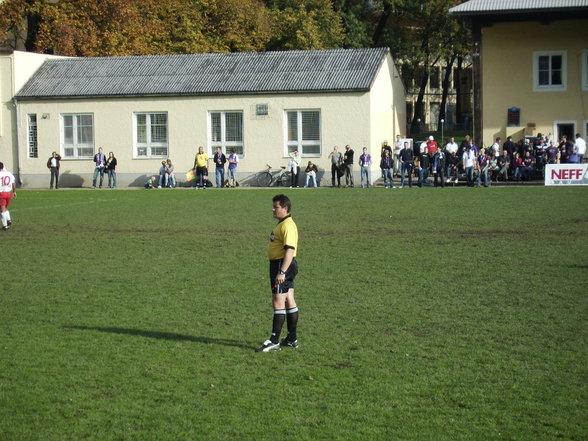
(159, 335)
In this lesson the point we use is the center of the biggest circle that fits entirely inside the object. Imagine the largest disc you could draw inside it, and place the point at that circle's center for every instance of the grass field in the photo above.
(425, 314)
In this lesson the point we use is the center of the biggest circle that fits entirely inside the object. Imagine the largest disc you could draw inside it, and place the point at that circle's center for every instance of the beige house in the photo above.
(530, 67)
(148, 108)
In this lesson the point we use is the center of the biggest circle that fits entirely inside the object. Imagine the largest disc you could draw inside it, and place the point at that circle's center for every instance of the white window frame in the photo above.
(564, 72)
(225, 145)
(584, 63)
(32, 135)
(149, 145)
(300, 143)
(564, 121)
(76, 144)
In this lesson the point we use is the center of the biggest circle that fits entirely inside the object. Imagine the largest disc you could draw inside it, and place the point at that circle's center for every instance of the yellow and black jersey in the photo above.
(284, 235)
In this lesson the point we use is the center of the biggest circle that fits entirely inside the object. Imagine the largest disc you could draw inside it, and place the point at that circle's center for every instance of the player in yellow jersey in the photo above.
(283, 268)
(201, 168)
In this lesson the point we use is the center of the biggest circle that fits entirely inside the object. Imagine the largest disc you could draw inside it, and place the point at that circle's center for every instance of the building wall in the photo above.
(507, 77)
(345, 119)
(15, 70)
(388, 109)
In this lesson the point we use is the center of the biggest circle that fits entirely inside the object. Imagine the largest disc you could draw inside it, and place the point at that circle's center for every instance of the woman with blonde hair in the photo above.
(169, 171)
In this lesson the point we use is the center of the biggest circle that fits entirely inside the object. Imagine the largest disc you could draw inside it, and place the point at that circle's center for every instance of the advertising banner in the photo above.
(566, 174)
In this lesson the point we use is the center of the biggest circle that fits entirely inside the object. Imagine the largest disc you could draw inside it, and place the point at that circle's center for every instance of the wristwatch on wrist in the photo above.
(282, 272)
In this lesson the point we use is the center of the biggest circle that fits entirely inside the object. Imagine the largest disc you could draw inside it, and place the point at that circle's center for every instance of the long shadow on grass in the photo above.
(162, 335)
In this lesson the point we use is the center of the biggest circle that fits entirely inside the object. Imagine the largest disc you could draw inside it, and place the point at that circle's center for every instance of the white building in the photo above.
(146, 108)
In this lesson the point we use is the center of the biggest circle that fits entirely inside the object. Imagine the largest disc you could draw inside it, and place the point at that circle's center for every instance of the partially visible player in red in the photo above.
(7, 192)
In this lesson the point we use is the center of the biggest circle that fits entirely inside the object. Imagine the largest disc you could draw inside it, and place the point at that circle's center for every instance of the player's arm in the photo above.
(286, 262)
(13, 190)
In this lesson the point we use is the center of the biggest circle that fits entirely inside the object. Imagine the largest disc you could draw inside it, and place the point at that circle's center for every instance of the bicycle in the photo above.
(269, 177)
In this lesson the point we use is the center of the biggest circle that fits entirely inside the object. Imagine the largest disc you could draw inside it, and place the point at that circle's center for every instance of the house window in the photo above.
(77, 135)
(151, 135)
(303, 132)
(226, 131)
(549, 71)
(32, 136)
(435, 83)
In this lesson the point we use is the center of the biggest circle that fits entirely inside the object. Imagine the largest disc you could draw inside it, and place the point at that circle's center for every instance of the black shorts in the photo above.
(201, 171)
(274, 269)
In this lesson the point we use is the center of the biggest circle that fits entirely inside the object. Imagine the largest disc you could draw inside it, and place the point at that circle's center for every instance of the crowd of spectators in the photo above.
(510, 161)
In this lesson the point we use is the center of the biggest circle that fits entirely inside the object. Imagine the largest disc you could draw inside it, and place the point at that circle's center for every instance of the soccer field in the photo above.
(425, 314)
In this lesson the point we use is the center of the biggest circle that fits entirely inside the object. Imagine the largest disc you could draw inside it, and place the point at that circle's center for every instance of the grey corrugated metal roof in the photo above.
(495, 6)
(206, 74)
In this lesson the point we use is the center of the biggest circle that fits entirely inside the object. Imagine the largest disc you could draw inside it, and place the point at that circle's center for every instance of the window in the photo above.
(32, 136)
(549, 71)
(226, 131)
(303, 132)
(151, 135)
(435, 83)
(77, 135)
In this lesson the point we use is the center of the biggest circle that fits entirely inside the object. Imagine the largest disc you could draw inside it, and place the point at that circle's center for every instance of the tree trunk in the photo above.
(382, 22)
(458, 97)
(418, 118)
(445, 93)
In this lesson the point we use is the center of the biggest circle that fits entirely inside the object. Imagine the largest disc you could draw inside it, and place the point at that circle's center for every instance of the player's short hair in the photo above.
(283, 200)
(1, 166)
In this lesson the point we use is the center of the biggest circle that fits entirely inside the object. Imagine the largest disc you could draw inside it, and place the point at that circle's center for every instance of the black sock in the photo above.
(279, 318)
(292, 318)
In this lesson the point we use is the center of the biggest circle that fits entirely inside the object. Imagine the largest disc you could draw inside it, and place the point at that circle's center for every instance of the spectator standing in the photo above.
(233, 163)
(580, 147)
(7, 192)
(110, 167)
(99, 162)
(483, 168)
(439, 166)
(431, 146)
(201, 168)
(348, 161)
(397, 148)
(423, 166)
(452, 167)
(469, 162)
(552, 153)
(219, 160)
(509, 146)
(387, 165)
(406, 165)
(294, 167)
(162, 181)
(463, 147)
(336, 159)
(365, 162)
(495, 148)
(53, 164)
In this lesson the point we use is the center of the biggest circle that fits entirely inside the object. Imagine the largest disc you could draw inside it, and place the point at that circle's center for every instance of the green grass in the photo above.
(455, 314)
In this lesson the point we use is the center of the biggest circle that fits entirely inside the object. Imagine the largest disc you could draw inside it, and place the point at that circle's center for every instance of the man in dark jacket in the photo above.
(439, 166)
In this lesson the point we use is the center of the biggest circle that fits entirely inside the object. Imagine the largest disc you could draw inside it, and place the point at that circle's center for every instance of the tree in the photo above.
(420, 34)
(305, 24)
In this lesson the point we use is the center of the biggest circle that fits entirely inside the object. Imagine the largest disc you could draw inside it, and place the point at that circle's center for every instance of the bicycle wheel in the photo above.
(264, 179)
(285, 179)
